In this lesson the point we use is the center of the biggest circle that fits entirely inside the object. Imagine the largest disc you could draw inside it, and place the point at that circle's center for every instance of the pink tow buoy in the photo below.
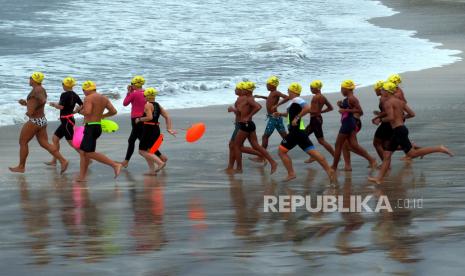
(77, 137)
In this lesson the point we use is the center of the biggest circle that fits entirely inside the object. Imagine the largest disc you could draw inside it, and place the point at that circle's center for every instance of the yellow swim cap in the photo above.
(378, 85)
(390, 87)
(150, 92)
(138, 81)
(295, 88)
(273, 80)
(249, 86)
(69, 82)
(240, 85)
(395, 79)
(37, 77)
(316, 84)
(89, 86)
(348, 84)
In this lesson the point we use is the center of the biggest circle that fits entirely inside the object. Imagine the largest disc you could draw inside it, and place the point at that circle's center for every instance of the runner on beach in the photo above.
(67, 104)
(274, 122)
(296, 109)
(36, 126)
(384, 131)
(316, 120)
(239, 91)
(396, 111)
(151, 130)
(247, 107)
(93, 111)
(348, 131)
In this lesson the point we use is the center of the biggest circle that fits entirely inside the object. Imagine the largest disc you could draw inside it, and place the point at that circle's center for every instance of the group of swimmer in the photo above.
(95, 107)
(390, 136)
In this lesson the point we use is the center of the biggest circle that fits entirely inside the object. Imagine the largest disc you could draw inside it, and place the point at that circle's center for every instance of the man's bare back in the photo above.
(94, 106)
(395, 111)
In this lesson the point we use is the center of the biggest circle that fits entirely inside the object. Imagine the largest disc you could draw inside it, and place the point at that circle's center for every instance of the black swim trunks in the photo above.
(150, 134)
(294, 138)
(66, 128)
(315, 126)
(92, 132)
(399, 138)
(247, 126)
(384, 131)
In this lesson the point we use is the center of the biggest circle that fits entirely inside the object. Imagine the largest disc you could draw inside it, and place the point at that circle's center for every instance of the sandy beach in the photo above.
(194, 219)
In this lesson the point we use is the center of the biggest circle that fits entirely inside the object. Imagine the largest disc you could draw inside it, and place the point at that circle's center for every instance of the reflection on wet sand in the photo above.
(148, 207)
(35, 217)
(391, 232)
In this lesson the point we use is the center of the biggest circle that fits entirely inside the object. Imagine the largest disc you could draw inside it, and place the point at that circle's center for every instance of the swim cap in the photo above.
(348, 84)
(249, 86)
(378, 85)
(316, 84)
(273, 80)
(138, 81)
(37, 77)
(240, 85)
(89, 86)
(395, 79)
(69, 82)
(390, 87)
(150, 92)
(295, 88)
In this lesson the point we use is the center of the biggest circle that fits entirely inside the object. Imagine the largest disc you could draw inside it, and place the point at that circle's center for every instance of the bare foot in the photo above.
(256, 159)
(289, 178)
(375, 180)
(117, 169)
(446, 150)
(229, 171)
(125, 163)
(332, 176)
(310, 160)
(274, 167)
(17, 169)
(64, 166)
(151, 173)
(161, 167)
(238, 171)
(51, 163)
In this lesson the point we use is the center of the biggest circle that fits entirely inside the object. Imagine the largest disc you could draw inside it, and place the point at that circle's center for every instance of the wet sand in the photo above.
(193, 219)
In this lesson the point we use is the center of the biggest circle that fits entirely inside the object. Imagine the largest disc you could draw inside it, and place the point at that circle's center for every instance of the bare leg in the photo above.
(42, 138)
(27, 133)
(84, 166)
(378, 144)
(99, 157)
(413, 153)
(232, 159)
(150, 162)
(340, 140)
(346, 156)
(355, 147)
(384, 168)
(56, 143)
(255, 145)
(265, 139)
(287, 162)
(238, 144)
(322, 161)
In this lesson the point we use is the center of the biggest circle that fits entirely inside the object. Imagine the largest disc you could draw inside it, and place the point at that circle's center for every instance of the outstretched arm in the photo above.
(260, 97)
(169, 122)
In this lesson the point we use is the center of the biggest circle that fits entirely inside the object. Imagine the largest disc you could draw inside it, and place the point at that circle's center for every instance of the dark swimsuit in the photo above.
(348, 121)
(297, 135)
(384, 130)
(92, 132)
(247, 126)
(315, 126)
(68, 100)
(151, 130)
